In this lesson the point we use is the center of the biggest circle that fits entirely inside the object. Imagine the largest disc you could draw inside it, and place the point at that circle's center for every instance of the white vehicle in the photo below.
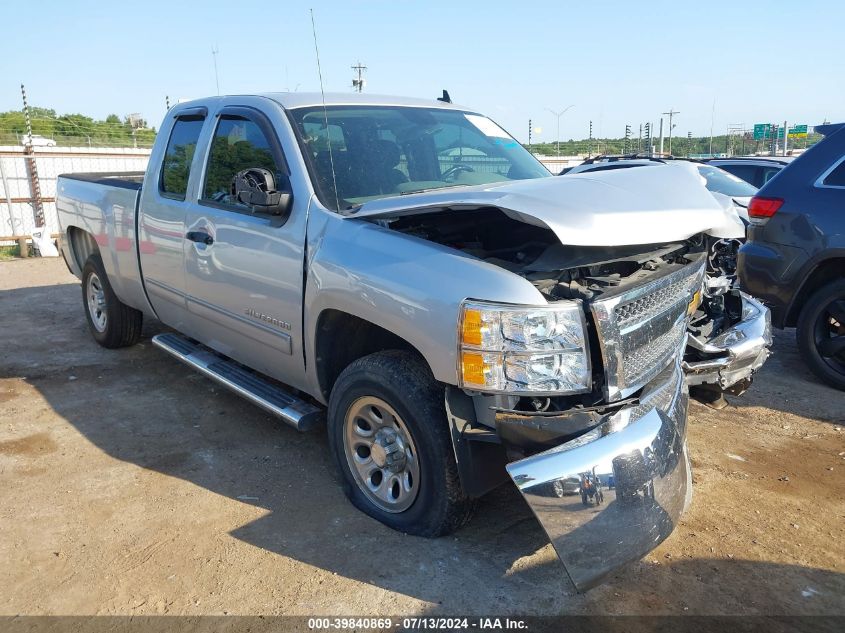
(37, 141)
(717, 181)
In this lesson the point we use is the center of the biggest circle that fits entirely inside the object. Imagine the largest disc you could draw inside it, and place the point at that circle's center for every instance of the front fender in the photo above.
(406, 285)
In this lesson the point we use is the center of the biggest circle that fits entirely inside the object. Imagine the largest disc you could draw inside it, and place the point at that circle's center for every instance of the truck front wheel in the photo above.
(112, 323)
(390, 441)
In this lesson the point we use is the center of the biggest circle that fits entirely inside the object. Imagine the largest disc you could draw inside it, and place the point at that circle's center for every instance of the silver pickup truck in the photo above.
(408, 274)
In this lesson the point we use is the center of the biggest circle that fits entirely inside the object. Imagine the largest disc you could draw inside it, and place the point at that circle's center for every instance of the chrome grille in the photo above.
(657, 301)
(662, 396)
(643, 329)
(641, 359)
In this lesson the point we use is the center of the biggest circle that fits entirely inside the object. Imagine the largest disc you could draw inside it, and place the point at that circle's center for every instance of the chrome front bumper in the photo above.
(736, 353)
(641, 451)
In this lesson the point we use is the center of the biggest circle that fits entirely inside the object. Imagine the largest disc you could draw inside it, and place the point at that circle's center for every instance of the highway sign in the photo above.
(798, 131)
(762, 131)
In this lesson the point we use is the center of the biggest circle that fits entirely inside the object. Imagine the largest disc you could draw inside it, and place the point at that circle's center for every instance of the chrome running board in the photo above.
(301, 415)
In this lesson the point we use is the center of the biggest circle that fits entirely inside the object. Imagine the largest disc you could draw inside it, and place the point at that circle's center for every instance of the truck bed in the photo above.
(124, 179)
(103, 207)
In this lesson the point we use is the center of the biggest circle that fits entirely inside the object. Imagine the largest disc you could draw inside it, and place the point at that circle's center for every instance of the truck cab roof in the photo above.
(293, 100)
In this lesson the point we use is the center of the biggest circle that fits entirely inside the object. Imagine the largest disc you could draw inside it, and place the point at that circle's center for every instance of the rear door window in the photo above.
(836, 178)
(749, 173)
(768, 174)
(176, 166)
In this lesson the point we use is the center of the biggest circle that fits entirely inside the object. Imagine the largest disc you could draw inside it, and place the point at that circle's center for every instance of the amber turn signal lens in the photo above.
(471, 328)
(472, 368)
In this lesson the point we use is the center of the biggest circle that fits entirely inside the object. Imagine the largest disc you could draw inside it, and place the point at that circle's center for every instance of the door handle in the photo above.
(200, 236)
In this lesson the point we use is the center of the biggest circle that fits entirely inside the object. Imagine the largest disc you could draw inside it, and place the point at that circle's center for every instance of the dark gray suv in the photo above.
(794, 259)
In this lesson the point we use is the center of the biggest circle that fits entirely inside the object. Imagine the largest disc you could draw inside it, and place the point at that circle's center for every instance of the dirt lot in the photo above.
(131, 485)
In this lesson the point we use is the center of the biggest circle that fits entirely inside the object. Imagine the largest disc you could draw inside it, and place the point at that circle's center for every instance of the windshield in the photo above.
(382, 151)
(720, 181)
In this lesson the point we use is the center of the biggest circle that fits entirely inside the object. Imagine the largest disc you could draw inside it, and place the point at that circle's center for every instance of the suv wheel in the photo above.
(821, 333)
(390, 440)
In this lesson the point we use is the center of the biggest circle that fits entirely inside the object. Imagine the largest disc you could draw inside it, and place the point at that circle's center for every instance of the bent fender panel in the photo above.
(403, 284)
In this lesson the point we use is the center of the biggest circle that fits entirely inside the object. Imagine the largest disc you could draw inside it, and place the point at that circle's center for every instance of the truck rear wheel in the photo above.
(112, 323)
(390, 441)
(821, 333)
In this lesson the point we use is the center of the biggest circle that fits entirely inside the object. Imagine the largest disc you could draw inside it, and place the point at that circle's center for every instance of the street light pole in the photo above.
(558, 115)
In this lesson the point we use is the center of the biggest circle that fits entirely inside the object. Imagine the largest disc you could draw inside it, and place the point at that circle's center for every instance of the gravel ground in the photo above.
(131, 485)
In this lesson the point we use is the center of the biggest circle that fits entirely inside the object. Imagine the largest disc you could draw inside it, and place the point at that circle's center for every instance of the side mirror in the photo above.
(256, 187)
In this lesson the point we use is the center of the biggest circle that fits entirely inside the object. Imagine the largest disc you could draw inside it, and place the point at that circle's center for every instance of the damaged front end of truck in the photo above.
(729, 336)
(604, 468)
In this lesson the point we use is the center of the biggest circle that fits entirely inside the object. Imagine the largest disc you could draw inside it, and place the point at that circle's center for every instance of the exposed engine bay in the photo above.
(562, 272)
(722, 256)
(558, 271)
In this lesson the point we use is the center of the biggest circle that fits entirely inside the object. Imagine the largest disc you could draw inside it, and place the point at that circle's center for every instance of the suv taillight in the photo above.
(763, 208)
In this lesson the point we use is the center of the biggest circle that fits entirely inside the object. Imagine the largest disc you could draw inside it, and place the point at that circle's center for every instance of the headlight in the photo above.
(521, 349)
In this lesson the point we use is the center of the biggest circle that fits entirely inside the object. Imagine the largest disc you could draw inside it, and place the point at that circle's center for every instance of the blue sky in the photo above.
(761, 61)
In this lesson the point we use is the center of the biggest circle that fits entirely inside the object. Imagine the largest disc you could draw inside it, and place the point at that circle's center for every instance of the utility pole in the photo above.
(558, 115)
(671, 113)
(712, 118)
(661, 136)
(627, 138)
(590, 143)
(358, 82)
(785, 137)
(648, 139)
(214, 51)
(640, 140)
(689, 144)
(529, 135)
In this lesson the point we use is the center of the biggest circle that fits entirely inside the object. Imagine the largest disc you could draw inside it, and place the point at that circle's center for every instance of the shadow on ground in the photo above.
(791, 387)
(142, 407)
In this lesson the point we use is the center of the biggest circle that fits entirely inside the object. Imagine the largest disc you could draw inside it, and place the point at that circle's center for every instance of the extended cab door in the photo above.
(243, 266)
(165, 199)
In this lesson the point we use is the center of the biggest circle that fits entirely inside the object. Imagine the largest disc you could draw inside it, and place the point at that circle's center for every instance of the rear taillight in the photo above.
(763, 208)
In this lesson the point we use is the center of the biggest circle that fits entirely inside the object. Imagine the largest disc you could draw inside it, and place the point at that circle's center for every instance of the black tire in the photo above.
(113, 324)
(816, 330)
(406, 384)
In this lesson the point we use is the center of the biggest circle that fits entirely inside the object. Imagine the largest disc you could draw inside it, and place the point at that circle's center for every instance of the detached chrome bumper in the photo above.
(641, 452)
(735, 354)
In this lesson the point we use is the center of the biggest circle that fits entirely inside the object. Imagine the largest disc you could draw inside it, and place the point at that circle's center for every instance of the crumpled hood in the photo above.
(608, 208)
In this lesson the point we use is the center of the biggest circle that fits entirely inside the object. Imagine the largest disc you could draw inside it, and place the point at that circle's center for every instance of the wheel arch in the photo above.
(81, 245)
(820, 274)
(342, 338)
